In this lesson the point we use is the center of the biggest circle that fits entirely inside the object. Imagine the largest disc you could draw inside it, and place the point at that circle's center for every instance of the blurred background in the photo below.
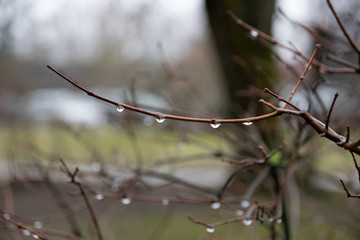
(182, 57)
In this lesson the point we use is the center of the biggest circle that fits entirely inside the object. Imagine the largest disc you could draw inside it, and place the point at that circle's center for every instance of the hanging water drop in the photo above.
(278, 220)
(239, 212)
(271, 219)
(254, 33)
(165, 202)
(120, 108)
(248, 123)
(35, 236)
(99, 196)
(245, 204)
(126, 201)
(160, 118)
(210, 230)
(6, 216)
(38, 224)
(215, 124)
(247, 222)
(26, 232)
(215, 205)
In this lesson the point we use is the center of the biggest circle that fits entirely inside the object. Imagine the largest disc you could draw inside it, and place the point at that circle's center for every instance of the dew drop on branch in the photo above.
(26, 232)
(247, 222)
(120, 108)
(215, 124)
(254, 33)
(35, 236)
(6, 216)
(244, 204)
(99, 196)
(239, 212)
(278, 220)
(248, 123)
(160, 118)
(126, 201)
(215, 205)
(165, 202)
(38, 224)
(210, 230)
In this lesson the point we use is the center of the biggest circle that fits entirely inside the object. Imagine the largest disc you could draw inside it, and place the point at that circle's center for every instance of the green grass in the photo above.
(109, 144)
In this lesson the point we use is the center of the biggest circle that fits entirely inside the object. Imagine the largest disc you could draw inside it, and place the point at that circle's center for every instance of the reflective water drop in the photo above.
(35, 236)
(210, 230)
(271, 219)
(254, 33)
(239, 212)
(26, 232)
(126, 201)
(120, 108)
(245, 204)
(160, 118)
(248, 123)
(278, 220)
(6, 216)
(215, 205)
(165, 202)
(215, 124)
(99, 196)
(38, 224)
(247, 222)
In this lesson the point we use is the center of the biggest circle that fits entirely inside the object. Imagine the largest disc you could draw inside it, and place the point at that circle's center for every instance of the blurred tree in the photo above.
(240, 55)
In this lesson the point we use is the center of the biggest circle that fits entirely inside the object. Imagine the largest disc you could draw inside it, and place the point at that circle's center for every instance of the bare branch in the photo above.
(343, 29)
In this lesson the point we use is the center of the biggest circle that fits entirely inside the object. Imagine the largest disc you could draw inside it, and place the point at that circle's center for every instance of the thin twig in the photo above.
(349, 195)
(347, 35)
(72, 176)
(281, 98)
(330, 111)
(356, 165)
(302, 77)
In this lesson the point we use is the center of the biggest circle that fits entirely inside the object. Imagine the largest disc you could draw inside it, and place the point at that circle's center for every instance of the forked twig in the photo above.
(72, 176)
(349, 195)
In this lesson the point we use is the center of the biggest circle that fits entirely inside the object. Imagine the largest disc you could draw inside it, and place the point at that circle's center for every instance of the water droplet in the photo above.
(254, 33)
(248, 123)
(215, 124)
(35, 236)
(120, 108)
(239, 212)
(271, 219)
(99, 196)
(26, 232)
(38, 224)
(126, 201)
(247, 222)
(96, 166)
(160, 118)
(245, 204)
(165, 202)
(278, 220)
(6, 216)
(215, 205)
(210, 230)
